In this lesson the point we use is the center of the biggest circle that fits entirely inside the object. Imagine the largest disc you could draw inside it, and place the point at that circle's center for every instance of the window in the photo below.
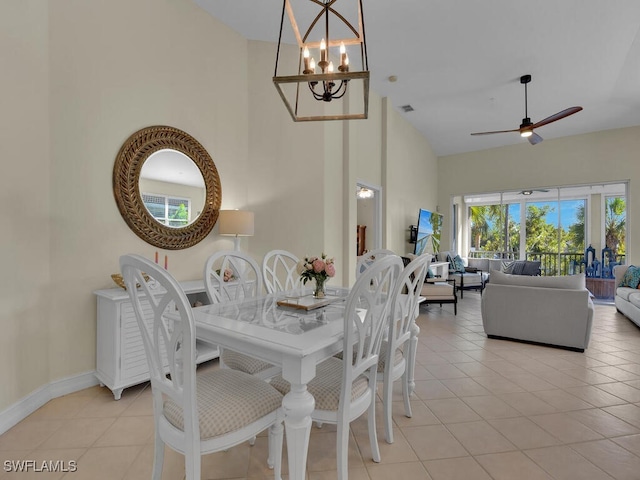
(615, 223)
(555, 234)
(171, 211)
(495, 230)
(552, 225)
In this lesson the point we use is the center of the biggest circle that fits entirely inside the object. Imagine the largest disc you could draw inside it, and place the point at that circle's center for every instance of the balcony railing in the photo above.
(551, 263)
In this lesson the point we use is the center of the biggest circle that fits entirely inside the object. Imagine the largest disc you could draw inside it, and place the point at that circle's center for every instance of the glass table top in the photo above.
(265, 311)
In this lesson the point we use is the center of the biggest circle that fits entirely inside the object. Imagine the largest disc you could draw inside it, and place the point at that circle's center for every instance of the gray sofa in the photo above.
(555, 311)
(478, 270)
(627, 299)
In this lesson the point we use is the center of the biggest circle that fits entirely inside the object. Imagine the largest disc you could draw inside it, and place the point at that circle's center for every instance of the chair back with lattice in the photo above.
(366, 319)
(405, 302)
(368, 259)
(279, 271)
(231, 275)
(167, 329)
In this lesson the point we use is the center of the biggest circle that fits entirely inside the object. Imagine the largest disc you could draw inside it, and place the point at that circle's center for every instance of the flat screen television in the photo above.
(429, 232)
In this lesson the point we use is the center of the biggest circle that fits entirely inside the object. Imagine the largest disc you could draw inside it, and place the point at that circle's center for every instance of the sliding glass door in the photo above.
(555, 233)
(552, 225)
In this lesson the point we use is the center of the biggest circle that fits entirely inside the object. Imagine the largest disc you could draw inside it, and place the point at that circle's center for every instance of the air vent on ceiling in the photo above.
(406, 108)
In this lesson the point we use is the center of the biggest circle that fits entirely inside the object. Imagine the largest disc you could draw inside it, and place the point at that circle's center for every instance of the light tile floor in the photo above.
(482, 409)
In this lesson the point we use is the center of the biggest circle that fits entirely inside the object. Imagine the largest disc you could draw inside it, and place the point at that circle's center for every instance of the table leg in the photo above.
(298, 405)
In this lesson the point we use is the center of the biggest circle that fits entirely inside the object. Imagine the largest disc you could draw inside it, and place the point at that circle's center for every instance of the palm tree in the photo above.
(482, 218)
(576, 231)
(479, 224)
(615, 223)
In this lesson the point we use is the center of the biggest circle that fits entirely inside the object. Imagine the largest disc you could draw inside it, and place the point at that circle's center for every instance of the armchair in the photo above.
(438, 291)
(466, 275)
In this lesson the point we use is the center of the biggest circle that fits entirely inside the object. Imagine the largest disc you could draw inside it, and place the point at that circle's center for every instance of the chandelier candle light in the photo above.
(319, 269)
(323, 82)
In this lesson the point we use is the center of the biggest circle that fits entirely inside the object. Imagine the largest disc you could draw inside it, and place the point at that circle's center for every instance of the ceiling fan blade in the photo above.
(534, 138)
(497, 131)
(557, 116)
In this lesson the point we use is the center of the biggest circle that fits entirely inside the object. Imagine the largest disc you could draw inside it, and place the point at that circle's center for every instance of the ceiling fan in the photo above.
(527, 126)
(530, 192)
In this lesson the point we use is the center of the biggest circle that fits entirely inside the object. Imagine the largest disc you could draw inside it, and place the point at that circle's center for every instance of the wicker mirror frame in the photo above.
(126, 175)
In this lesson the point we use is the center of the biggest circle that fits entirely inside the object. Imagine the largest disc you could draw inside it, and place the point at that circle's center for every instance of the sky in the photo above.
(568, 210)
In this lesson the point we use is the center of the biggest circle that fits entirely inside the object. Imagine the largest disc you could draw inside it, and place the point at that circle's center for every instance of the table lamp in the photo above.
(238, 223)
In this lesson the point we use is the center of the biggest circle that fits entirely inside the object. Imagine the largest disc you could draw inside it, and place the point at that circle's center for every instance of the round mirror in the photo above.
(167, 187)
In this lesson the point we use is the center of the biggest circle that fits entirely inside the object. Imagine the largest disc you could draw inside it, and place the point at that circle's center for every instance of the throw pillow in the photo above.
(518, 267)
(631, 277)
(430, 273)
(457, 264)
(531, 268)
(507, 267)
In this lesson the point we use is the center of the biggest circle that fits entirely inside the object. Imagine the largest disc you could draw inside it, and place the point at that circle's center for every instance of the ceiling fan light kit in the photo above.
(527, 127)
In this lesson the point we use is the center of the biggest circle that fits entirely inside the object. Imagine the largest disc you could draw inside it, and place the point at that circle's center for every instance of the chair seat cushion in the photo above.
(634, 299)
(227, 401)
(470, 279)
(439, 289)
(326, 385)
(624, 292)
(244, 363)
(382, 359)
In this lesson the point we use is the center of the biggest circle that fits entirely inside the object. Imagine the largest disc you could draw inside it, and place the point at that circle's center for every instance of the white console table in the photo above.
(120, 358)
(441, 269)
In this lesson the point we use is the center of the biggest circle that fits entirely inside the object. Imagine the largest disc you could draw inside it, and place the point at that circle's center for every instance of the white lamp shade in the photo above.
(236, 223)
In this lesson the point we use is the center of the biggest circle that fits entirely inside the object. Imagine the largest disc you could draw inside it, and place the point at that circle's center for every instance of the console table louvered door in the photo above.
(120, 356)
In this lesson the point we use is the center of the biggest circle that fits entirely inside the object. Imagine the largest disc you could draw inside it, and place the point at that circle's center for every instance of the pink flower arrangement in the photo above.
(316, 268)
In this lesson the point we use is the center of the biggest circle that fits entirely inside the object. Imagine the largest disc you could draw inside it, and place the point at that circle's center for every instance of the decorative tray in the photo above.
(308, 302)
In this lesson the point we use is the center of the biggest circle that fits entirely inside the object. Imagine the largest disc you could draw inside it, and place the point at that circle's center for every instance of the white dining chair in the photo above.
(398, 350)
(344, 390)
(279, 271)
(243, 280)
(194, 413)
(366, 260)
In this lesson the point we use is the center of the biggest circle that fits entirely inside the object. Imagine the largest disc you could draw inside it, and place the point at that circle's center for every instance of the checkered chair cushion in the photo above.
(397, 358)
(243, 363)
(227, 401)
(382, 356)
(325, 386)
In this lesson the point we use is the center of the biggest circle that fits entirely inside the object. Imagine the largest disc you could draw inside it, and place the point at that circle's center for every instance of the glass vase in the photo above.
(318, 292)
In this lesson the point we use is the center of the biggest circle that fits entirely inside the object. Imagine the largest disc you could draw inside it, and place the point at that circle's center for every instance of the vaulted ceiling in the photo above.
(458, 63)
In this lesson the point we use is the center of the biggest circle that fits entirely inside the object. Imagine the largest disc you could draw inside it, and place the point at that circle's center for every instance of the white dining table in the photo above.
(294, 339)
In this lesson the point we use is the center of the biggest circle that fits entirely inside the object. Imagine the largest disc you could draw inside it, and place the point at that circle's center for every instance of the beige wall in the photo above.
(286, 181)
(77, 92)
(162, 67)
(411, 179)
(606, 156)
(25, 194)
(83, 76)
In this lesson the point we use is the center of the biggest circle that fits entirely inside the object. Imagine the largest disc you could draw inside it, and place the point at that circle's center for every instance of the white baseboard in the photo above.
(36, 399)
